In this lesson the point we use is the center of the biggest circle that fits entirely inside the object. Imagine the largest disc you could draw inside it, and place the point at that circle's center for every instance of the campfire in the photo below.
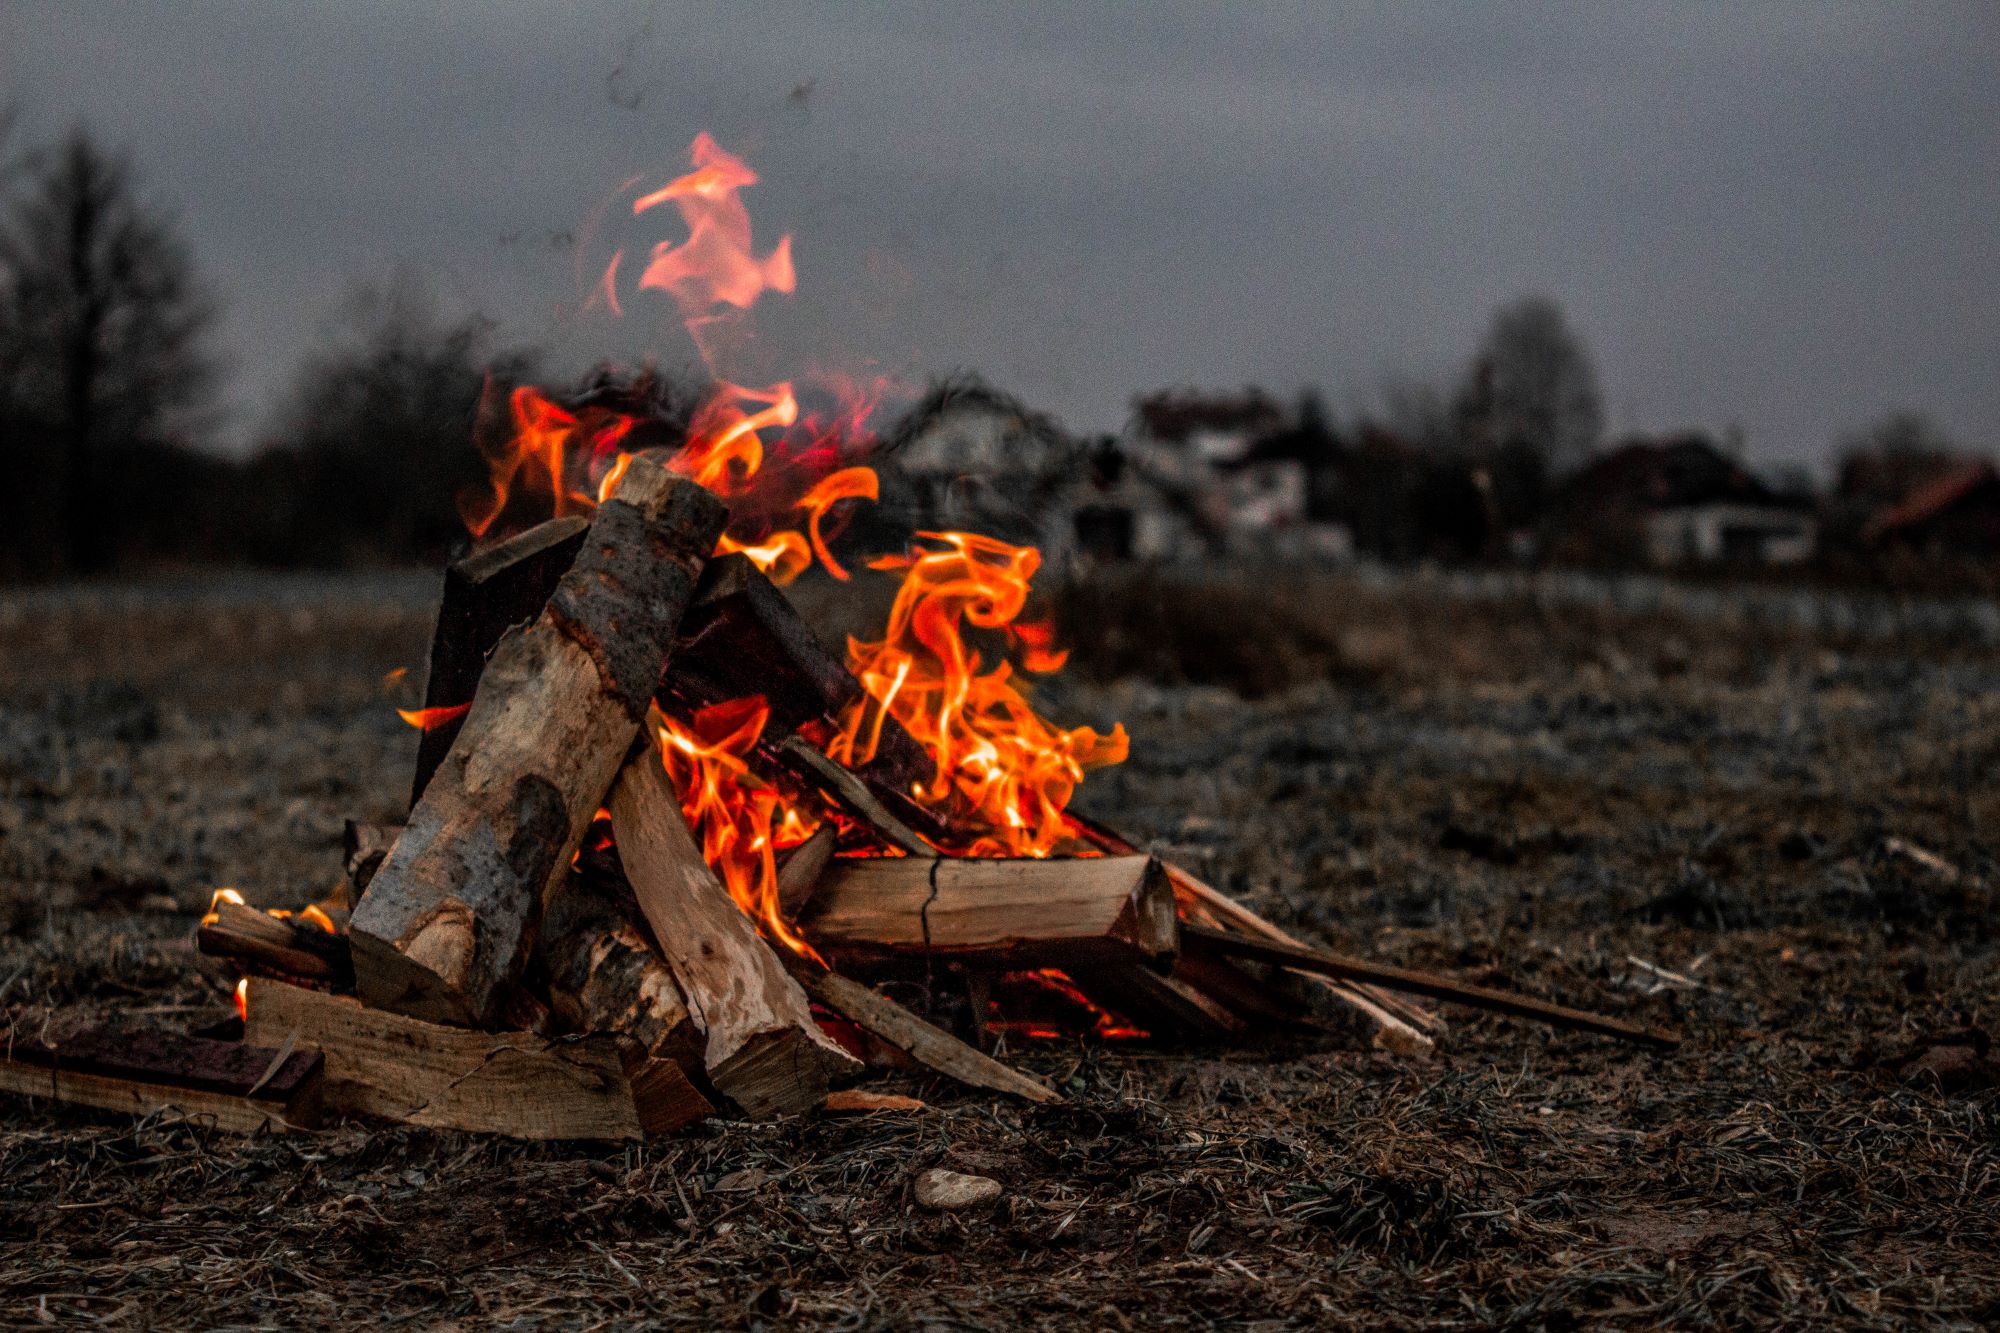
(670, 855)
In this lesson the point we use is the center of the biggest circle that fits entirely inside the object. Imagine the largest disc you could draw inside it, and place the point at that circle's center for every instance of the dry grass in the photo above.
(1642, 818)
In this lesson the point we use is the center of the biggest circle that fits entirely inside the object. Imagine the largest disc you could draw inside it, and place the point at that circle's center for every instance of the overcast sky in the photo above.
(1781, 217)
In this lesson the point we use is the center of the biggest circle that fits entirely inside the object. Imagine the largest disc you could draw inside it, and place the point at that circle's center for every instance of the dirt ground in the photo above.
(1638, 816)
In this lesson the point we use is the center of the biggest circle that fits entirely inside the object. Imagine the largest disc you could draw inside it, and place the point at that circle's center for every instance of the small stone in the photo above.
(949, 1191)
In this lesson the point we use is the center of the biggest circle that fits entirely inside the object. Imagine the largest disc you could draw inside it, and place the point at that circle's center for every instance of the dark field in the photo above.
(1631, 814)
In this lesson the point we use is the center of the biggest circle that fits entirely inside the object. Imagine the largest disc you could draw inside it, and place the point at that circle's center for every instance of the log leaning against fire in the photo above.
(761, 1046)
(444, 929)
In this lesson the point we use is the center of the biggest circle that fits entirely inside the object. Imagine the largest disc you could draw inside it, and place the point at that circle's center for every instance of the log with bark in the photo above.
(1002, 913)
(602, 974)
(445, 928)
(761, 1047)
(241, 1087)
(392, 1067)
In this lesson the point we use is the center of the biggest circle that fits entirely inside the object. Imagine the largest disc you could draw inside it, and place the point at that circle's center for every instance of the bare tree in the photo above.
(376, 437)
(1533, 385)
(101, 330)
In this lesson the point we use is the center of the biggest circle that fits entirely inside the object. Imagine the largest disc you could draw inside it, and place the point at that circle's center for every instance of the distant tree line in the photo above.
(108, 378)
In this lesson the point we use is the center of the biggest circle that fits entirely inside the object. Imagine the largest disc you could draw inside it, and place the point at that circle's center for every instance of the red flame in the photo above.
(430, 719)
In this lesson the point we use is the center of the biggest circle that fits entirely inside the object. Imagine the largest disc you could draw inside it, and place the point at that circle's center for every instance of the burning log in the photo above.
(405, 1070)
(241, 1088)
(289, 945)
(799, 870)
(1006, 913)
(603, 975)
(762, 1048)
(743, 637)
(445, 927)
(485, 595)
(1161, 1005)
(847, 790)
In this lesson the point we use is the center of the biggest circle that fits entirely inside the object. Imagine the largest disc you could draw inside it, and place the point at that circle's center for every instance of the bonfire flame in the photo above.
(743, 822)
(1003, 774)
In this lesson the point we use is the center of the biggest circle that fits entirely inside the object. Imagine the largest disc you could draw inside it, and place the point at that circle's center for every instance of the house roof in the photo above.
(1930, 499)
(1667, 474)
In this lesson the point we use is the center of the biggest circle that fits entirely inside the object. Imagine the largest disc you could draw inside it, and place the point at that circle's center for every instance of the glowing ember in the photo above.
(1003, 774)
(1104, 1024)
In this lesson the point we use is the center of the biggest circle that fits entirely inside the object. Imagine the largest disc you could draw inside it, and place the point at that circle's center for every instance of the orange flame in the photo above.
(430, 719)
(1003, 774)
(556, 461)
(242, 999)
(741, 821)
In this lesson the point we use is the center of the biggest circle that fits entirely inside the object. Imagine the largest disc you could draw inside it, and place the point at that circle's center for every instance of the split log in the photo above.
(762, 1048)
(445, 927)
(405, 1070)
(1429, 983)
(239, 1087)
(485, 595)
(602, 975)
(1004, 913)
(848, 791)
(288, 945)
(929, 1045)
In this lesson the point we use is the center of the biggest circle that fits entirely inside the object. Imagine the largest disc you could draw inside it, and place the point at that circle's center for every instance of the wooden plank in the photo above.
(929, 1045)
(445, 927)
(1431, 984)
(1004, 913)
(402, 1069)
(486, 594)
(762, 1048)
(238, 1087)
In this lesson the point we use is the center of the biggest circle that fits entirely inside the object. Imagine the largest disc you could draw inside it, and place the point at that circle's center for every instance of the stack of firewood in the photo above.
(498, 966)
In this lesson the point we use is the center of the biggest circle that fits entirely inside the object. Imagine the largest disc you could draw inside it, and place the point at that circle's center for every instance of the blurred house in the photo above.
(1676, 502)
(1954, 515)
(971, 457)
(1255, 478)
